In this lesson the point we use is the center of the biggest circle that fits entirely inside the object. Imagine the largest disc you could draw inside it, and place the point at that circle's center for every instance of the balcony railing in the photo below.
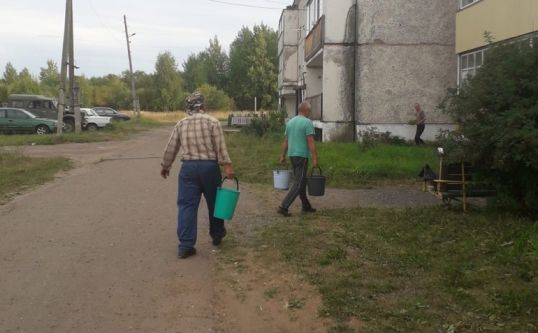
(315, 39)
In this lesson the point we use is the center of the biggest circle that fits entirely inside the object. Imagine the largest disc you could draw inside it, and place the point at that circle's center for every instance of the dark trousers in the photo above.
(300, 168)
(420, 130)
(197, 178)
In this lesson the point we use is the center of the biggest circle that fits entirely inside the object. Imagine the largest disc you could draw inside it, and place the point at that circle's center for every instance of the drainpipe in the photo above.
(355, 68)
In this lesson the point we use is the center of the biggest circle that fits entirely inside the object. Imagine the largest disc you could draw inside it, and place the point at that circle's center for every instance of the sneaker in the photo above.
(284, 212)
(185, 253)
(217, 241)
(309, 210)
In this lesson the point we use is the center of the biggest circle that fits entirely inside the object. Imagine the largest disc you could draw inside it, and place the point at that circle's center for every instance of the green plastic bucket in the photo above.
(226, 201)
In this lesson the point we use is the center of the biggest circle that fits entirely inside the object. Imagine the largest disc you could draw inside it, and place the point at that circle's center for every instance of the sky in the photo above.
(31, 31)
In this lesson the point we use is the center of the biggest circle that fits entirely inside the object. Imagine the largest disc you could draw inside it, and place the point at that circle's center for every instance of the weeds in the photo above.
(415, 270)
(346, 165)
(18, 173)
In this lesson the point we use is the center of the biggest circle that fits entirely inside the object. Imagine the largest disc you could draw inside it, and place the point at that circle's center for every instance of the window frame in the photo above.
(467, 68)
(314, 12)
(462, 6)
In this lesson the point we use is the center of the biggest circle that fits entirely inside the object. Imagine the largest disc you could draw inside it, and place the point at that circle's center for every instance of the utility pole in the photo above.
(68, 59)
(73, 88)
(133, 89)
(63, 67)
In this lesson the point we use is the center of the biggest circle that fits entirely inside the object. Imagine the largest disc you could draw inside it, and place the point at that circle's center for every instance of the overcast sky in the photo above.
(31, 31)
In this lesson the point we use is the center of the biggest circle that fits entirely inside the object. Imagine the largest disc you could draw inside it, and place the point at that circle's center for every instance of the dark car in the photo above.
(17, 121)
(110, 112)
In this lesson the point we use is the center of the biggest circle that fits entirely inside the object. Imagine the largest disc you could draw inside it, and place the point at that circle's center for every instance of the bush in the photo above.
(370, 137)
(215, 99)
(497, 111)
(269, 122)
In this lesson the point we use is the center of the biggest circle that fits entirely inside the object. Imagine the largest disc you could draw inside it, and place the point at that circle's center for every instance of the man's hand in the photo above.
(283, 159)
(315, 162)
(229, 171)
(165, 173)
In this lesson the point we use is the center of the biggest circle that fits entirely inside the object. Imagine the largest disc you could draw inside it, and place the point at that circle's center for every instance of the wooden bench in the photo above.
(455, 182)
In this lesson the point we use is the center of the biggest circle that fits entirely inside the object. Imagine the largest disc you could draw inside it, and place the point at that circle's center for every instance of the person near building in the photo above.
(199, 141)
(420, 122)
(299, 146)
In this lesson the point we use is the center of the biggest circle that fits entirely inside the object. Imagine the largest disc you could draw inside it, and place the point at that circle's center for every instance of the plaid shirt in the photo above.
(197, 137)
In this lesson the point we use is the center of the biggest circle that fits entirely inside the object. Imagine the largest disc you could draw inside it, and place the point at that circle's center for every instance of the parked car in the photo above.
(18, 121)
(110, 112)
(93, 120)
(42, 107)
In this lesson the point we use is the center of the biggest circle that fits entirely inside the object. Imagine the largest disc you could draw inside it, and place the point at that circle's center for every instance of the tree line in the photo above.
(229, 81)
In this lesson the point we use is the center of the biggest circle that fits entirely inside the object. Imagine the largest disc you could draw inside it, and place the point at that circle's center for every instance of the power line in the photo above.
(103, 24)
(278, 2)
(243, 5)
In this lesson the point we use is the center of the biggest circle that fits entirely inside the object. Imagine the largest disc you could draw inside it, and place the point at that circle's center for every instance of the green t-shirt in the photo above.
(297, 131)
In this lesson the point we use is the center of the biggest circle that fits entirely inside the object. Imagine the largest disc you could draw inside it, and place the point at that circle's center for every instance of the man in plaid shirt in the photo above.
(199, 141)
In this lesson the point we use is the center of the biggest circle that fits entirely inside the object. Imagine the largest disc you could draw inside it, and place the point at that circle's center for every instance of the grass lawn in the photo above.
(414, 270)
(345, 164)
(119, 131)
(18, 172)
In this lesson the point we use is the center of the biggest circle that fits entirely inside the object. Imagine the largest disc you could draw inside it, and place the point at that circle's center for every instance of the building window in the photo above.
(470, 63)
(314, 10)
(466, 3)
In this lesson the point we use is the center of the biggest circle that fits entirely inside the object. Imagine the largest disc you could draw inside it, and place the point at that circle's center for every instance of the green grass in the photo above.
(118, 131)
(414, 270)
(18, 172)
(345, 164)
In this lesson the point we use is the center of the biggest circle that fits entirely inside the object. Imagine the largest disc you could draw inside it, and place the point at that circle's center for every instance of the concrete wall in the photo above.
(505, 19)
(406, 55)
(339, 21)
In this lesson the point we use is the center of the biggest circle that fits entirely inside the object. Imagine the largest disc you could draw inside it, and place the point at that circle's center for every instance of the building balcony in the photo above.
(315, 39)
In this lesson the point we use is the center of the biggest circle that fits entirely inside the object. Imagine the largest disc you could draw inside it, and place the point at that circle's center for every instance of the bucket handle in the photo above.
(312, 171)
(236, 182)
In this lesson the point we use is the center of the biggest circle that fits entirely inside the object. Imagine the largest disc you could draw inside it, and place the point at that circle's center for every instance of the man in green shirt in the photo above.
(299, 145)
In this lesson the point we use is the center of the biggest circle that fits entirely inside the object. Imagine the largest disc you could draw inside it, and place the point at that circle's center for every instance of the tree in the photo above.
(25, 84)
(195, 71)
(49, 78)
(217, 64)
(498, 115)
(10, 74)
(145, 90)
(253, 69)
(215, 99)
(111, 91)
(168, 84)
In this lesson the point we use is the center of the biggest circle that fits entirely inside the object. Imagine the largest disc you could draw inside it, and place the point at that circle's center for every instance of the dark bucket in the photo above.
(316, 183)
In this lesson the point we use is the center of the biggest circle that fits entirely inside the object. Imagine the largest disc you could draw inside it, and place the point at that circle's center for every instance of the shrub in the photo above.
(497, 111)
(371, 137)
(268, 122)
(215, 99)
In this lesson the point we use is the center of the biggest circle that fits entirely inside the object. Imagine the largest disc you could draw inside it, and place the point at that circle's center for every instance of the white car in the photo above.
(93, 120)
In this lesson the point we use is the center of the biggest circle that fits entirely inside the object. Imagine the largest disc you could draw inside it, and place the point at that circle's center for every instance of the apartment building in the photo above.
(504, 21)
(364, 63)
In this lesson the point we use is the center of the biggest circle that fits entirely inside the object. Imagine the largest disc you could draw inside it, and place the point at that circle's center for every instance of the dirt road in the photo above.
(95, 251)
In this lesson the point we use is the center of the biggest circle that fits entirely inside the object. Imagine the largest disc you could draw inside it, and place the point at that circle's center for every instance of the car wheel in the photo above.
(42, 129)
(91, 127)
(69, 126)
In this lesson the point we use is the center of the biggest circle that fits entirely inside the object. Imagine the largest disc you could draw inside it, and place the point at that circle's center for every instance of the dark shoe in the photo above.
(185, 253)
(284, 212)
(309, 210)
(217, 241)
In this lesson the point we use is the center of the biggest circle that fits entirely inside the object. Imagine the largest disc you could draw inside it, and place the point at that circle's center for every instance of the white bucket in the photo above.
(281, 179)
